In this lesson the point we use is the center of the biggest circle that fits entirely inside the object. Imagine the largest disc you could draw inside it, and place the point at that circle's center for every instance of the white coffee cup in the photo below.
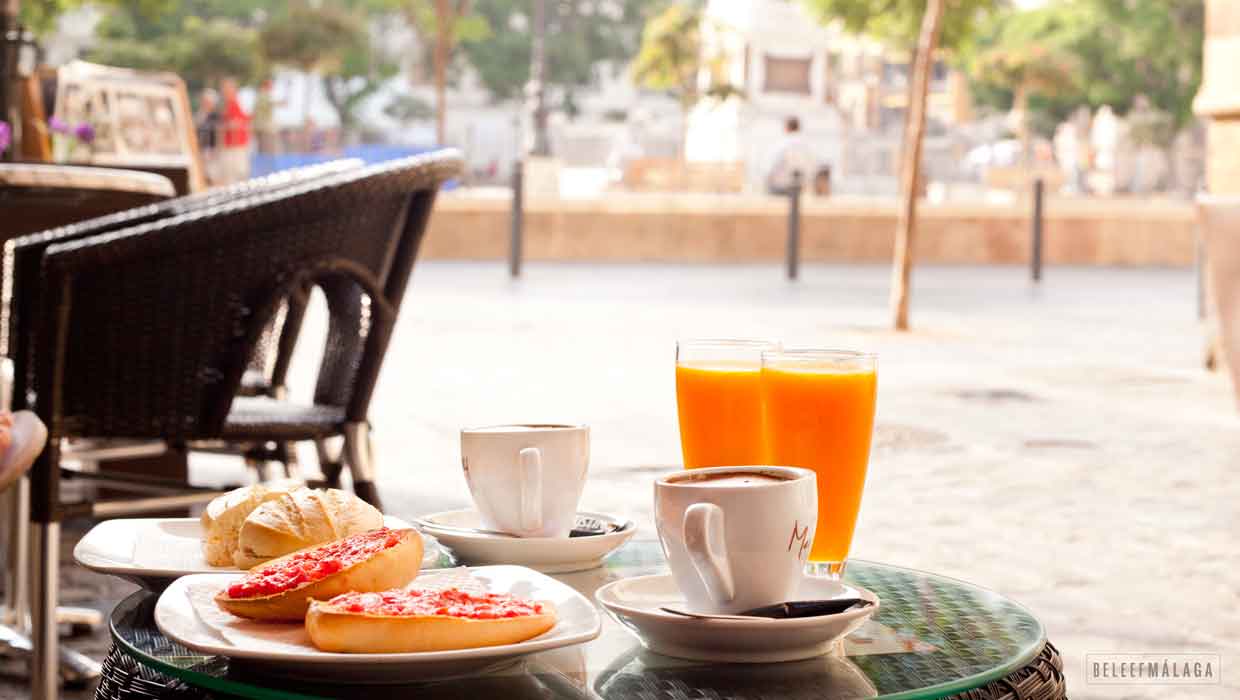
(526, 479)
(736, 538)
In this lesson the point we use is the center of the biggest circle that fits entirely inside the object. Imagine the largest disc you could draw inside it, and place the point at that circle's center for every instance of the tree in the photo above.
(922, 26)
(1120, 49)
(41, 15)
(444, 27)
(671, 57)
(313, 40)
(1026, 59)
(201, 52)
(581, 35)
(360, 74)
(199, 39)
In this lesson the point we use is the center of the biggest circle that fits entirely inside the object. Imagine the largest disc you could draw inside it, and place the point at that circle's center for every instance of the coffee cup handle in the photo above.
(530, 460)
(704, 540)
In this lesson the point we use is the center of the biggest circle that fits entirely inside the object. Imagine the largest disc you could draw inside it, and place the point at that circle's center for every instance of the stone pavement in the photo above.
(1058, 444)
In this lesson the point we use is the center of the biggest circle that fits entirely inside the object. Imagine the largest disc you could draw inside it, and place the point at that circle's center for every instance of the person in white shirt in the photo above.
(790, 155)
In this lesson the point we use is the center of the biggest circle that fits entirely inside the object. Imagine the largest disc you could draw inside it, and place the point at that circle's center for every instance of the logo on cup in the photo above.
(799, 536)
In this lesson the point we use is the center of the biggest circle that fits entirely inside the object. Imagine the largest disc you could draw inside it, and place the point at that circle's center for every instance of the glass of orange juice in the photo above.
(720, 402)
(819, 414)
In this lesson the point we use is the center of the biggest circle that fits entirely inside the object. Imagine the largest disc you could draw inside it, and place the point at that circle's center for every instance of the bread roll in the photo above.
(223, 516)
(281, 590)
(415, 621)
(301, 519)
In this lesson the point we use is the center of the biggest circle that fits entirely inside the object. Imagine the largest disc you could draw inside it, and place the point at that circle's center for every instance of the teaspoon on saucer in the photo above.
(583, 526)
(783, 611)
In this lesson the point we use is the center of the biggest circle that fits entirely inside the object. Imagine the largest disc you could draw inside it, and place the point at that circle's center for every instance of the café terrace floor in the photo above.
(1060, 444)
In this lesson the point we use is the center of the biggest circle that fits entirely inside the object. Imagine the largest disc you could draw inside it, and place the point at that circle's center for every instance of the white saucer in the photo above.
(635, 602)
(152, 552)
(284, 649)
(550, 555)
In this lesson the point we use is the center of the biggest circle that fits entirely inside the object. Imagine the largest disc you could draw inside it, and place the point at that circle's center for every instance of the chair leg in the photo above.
(330, 463)
(292, 465)
(359, 455)
(44, 672)
(17, 552)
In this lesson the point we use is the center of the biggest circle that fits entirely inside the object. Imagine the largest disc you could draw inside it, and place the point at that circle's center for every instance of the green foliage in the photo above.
(468, 28)
(407, 109)
(1024, 55)
(201, 40)
(332, 41)
(671, 57)
(312, 38)
(201, 52)
(898, 22)
(1120, 50)
(40, 15)
(580, 35)
(670, 53)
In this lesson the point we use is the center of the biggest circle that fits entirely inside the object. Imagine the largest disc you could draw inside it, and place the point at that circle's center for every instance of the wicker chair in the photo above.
(24, 256)
(146, 332)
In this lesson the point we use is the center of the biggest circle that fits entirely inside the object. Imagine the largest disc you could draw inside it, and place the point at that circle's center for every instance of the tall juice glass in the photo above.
(720, 401)
(819, 412)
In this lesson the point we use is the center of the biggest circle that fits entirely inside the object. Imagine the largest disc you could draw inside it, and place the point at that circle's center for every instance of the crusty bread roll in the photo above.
(281, 590)
(342, 625)
(222, 518)
(300, 519)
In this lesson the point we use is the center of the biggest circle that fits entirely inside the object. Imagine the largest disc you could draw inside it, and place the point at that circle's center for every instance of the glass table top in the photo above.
(932, 638)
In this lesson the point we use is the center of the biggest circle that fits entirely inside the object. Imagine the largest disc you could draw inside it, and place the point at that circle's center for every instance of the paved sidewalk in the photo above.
(1060, 445)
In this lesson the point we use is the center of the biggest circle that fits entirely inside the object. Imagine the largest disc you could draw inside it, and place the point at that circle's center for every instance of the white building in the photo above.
(784, 62)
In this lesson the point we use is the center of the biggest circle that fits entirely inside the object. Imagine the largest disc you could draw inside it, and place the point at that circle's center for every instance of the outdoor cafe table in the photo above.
(934, 637)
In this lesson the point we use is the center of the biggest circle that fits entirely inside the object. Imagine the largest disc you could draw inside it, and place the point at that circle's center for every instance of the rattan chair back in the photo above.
(23, 260)
(149, 329)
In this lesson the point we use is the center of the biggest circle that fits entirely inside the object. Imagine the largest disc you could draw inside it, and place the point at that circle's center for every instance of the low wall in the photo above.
(733, 228)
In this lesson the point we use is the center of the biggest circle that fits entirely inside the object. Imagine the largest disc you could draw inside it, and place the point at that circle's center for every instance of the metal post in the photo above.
(1035, 257)
(518, 219)
(794, 226)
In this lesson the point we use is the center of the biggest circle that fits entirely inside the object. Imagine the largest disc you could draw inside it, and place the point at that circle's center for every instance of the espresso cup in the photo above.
(736, 538)
(526, 480)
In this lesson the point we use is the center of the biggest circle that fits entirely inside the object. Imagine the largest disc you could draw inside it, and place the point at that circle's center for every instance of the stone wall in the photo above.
(721, 228)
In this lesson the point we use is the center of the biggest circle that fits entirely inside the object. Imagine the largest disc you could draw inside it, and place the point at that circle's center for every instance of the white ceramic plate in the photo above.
(551, 555)
(153, 551)
(285, 650)
(635, 602)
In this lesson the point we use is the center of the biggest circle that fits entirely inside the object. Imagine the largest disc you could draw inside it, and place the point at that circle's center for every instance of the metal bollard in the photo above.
(1035, 256)
(794, 227)
(518, 219)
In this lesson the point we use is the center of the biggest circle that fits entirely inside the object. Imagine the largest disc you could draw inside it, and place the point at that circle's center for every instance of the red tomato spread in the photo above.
(451, 602)
(314, 565)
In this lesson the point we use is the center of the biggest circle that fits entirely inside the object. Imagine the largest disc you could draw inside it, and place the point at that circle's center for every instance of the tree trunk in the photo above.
(443, 39)
(1020, 105)
(910, 163)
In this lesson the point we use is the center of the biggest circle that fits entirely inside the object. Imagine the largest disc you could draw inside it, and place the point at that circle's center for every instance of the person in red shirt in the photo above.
(235, 146)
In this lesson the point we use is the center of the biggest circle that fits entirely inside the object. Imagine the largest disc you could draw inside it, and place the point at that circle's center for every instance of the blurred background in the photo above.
(1052, 422)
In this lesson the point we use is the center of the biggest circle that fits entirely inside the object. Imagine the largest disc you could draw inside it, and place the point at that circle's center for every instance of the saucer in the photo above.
(550, 555)
(154, 552)
(635, 602)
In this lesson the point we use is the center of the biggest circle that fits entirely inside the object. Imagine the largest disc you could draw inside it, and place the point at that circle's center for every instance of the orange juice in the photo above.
(720, 405)
(820, 415)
